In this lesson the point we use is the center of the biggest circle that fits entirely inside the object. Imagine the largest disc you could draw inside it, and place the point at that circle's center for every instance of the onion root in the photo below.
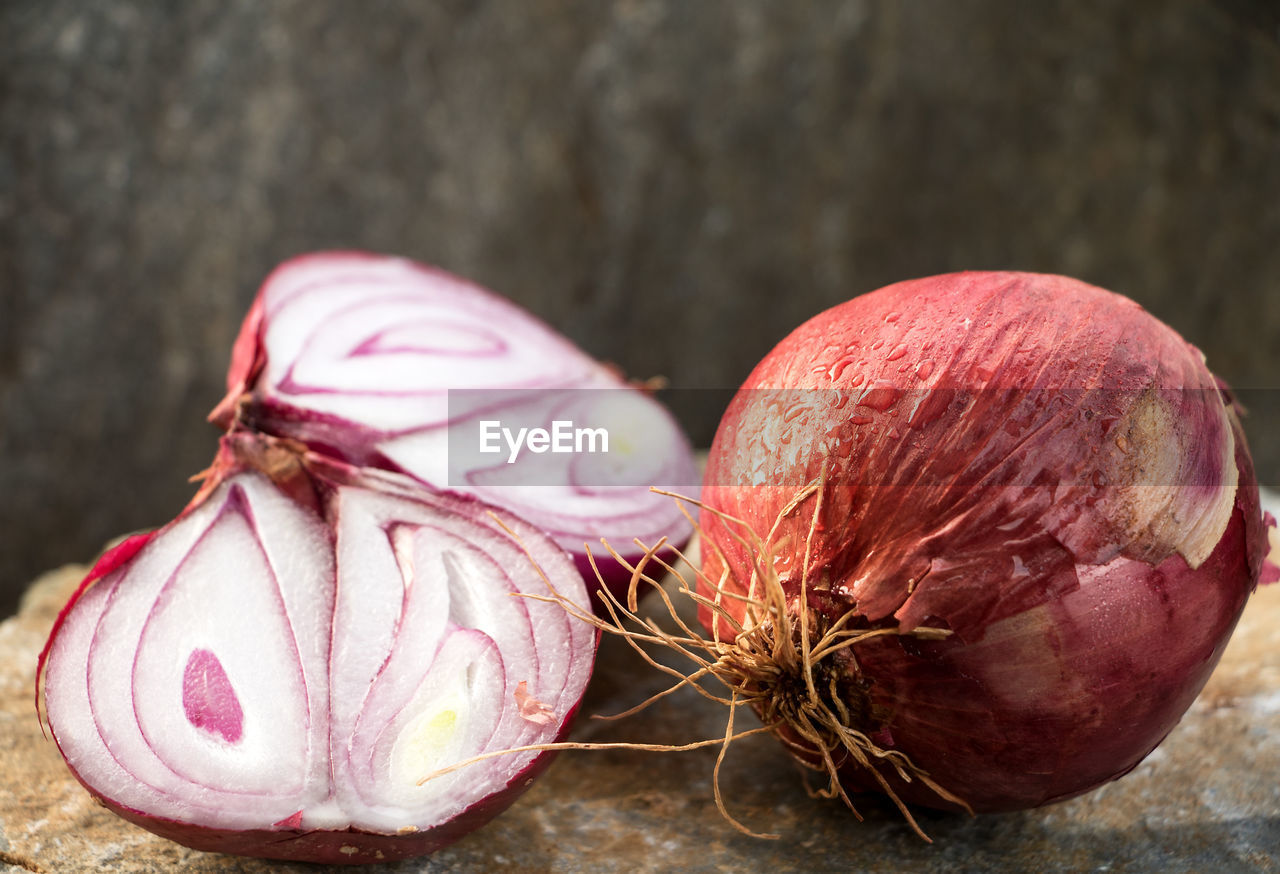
(780, 661)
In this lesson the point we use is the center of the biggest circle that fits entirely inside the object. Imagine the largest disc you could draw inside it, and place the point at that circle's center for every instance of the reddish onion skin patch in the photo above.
(1271, 564)
(1004, 501)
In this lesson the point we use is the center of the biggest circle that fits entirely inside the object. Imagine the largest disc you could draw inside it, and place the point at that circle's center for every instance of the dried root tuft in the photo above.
(779, 659)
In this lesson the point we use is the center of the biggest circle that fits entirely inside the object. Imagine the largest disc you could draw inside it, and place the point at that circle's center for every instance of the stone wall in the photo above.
(673, 184)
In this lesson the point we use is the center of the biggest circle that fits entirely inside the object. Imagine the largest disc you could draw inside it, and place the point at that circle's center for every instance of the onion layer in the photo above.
(1031, 466)
(276, 671)
(387, 363)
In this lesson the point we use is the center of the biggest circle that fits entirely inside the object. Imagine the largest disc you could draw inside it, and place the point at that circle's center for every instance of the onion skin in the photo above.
(1037, 465)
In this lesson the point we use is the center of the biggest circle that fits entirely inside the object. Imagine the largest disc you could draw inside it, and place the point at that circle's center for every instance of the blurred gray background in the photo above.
(673, 184)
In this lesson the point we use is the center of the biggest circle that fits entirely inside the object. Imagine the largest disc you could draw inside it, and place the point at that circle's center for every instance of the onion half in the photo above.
(387, 363)
(276, 671)
(1033, 492)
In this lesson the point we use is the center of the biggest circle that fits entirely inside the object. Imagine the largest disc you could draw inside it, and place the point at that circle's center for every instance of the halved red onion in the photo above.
(274, 672)
(384, 362)
(1035, 467)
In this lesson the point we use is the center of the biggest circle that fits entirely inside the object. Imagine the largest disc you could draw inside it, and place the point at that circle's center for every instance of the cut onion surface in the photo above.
(383, 362)
(276, 672)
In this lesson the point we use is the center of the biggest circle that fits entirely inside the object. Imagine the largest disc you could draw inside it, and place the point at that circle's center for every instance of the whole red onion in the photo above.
(1034, 525)
(384, 362)
(275, 672)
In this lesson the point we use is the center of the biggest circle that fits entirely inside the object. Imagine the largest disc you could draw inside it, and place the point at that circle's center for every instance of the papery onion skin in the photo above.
(977, 432)
(399, 416)
(315, 486)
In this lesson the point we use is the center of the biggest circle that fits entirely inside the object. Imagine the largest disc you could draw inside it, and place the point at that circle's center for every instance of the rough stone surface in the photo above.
(1206, 800)
(674, 184)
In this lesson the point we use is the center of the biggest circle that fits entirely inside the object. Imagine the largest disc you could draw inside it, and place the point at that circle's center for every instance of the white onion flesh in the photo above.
(384, 362)
(253, 664)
